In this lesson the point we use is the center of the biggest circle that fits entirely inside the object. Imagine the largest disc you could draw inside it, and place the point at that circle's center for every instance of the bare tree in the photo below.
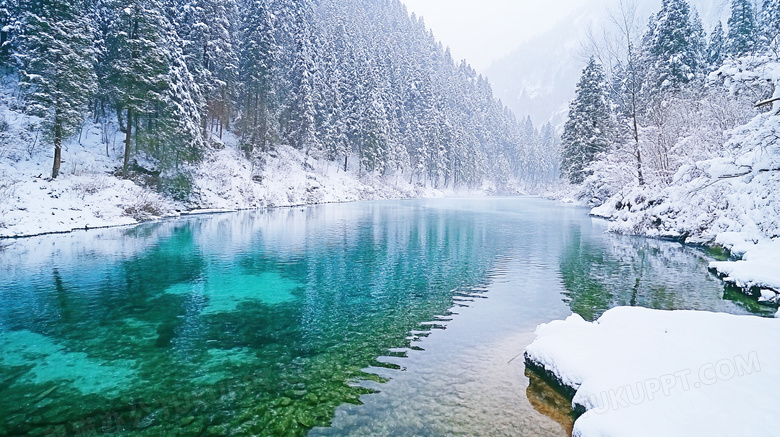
(618, 52)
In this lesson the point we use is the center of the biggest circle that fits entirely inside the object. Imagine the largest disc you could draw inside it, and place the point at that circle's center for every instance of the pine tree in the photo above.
(339, 76)
(331, 107)
(57, 67)
(741, 37)
(716, 50)
(374, 144)
(137, 64)
(770, 22)
(549, 145)
(698, 44)
(259, 53)
(674, 45)
(585, 132)
(151, 85)
(172, 128)
(9, 15)
(208, 39)
(303, 74)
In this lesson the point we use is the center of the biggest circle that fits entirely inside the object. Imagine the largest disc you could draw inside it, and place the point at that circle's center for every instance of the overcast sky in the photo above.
(482, 31)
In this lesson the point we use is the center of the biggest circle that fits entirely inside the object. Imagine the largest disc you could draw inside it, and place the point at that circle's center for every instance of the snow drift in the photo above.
(640, 372)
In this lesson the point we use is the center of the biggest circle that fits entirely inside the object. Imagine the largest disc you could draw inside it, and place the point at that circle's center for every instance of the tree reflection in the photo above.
(602, 273)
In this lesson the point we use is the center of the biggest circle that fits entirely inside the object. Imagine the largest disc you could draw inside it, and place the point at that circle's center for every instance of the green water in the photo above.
(273, 323)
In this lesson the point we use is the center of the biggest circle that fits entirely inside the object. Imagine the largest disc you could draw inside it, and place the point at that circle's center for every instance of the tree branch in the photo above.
(767, 102)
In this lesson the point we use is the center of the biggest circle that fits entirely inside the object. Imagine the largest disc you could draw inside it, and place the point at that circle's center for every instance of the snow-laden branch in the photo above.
(767, 102)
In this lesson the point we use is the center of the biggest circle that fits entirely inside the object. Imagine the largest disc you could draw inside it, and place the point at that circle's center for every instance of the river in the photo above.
(371, 318)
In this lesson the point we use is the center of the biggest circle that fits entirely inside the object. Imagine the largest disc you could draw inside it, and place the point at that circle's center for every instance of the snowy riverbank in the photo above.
(738, 215)
(88, 195)
(726, 195)
(640, 372)
(757, 272)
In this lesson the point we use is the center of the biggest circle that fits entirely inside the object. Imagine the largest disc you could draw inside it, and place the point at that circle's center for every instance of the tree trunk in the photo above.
(638, 153)
(346, 160)
(3, 46)
(128, 136)
(205, 124)
(55, 169)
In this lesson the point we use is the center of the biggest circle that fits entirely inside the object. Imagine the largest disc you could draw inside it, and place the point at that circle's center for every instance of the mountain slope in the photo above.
(242, 104)
(539, 77)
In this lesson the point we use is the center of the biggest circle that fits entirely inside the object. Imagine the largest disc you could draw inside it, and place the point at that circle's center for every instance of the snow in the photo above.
(89, 195)
(208, 211)
(730, 199)
(640, 372)
(732, 202)
(758, 268)
(227, 180)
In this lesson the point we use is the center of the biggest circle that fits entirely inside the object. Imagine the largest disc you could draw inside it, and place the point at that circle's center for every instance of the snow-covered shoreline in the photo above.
(39, 206)
(89, 195)
(638, 372)
(35, 213)
(724, 195)
(756, 273)
(752, 266)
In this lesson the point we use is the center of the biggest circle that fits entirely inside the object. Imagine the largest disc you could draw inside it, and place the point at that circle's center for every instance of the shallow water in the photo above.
(377, 318)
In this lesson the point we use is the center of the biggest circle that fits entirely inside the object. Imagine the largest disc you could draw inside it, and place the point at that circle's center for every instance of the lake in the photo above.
(373, 318)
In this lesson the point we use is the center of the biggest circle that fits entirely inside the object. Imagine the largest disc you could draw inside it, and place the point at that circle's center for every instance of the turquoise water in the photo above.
(382, 318)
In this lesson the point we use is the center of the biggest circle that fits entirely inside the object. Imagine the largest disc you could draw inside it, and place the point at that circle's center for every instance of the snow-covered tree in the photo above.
(259, 53)
(716, 50)
(548, 158)
(57, 67)
(674, 46)
(137, 63)
(336, 78)
(304, 72)
(151, 86)
(698, 43)
(207, 29)
(770, 23)
(585, 133)
(9, 20)
(741, 37)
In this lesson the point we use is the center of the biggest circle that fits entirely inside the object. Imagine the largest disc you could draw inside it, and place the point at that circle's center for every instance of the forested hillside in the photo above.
(331, 78)
(666, 129)
(674, 133)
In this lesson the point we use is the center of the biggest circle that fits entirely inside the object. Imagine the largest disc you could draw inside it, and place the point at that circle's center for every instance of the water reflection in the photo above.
(603, 273)
(287, 306)
(549, 401)
(263, 323)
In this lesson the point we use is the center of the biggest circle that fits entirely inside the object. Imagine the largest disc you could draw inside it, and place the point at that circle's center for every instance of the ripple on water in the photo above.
(265, 320)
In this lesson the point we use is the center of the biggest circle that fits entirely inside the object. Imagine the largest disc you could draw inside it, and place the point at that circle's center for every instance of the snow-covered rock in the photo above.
(758, 270)
(640, 372)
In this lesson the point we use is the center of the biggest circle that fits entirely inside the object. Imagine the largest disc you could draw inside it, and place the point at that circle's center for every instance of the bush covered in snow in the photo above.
(731, 188)
(693, 153)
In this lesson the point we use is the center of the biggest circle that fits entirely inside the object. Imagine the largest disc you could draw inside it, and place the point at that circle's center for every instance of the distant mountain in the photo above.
(539, 77)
